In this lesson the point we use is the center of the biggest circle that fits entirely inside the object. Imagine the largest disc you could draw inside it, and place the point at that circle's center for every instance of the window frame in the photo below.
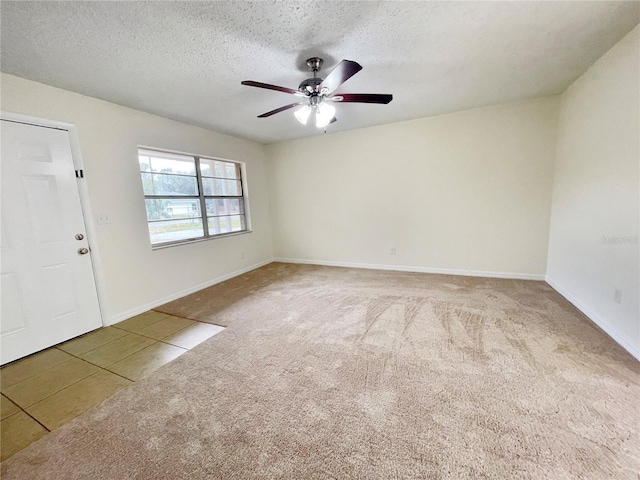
(200, 198)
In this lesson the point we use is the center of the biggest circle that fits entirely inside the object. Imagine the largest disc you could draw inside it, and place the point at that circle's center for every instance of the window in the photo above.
(189, 197)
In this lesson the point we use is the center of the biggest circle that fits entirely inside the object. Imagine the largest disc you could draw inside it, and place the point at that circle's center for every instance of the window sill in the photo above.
(161, 246)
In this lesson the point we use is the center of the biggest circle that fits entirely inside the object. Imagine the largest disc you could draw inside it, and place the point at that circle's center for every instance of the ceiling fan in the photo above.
(319, 94)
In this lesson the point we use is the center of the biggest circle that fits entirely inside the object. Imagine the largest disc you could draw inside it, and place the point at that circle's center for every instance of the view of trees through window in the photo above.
(189, 197)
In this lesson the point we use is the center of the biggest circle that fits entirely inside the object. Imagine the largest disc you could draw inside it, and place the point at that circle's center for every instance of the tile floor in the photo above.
(45, 390)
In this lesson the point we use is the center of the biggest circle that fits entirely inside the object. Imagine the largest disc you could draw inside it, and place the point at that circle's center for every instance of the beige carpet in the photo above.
(353, 374)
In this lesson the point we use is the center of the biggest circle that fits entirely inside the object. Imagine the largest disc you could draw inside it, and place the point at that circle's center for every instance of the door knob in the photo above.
(83, 251)
(79, 236)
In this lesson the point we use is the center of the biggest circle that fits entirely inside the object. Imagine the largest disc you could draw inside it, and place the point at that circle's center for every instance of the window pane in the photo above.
(232, 223)
(224, 206)
(217, 186)
(172, 208)
(238, 223)
(217, 168)
(158, 184)
(174, 230)
(161, 162)
(231, 171)
(145, 163)
(179, 185)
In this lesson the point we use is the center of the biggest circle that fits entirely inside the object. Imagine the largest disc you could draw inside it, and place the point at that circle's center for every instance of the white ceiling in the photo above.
(185, 60)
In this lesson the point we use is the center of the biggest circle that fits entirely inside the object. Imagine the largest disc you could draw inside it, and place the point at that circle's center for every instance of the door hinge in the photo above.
(79, 173)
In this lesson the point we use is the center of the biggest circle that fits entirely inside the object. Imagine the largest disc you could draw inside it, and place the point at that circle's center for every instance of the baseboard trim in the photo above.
(613, 332)
(403, 268)
(174, 296)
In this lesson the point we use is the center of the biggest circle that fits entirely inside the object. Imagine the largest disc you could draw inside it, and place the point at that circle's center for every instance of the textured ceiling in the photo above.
(185, 60)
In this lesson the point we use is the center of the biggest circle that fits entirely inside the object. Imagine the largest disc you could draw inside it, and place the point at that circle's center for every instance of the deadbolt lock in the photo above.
(79, 236)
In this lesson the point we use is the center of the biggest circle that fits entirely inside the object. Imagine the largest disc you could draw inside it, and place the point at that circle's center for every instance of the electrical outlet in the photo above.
(617, 296)
(392, 251)
(103, 219)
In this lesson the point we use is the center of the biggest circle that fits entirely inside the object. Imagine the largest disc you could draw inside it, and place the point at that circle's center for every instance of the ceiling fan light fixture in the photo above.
(319, 93)
(325, 113)
(302, 114)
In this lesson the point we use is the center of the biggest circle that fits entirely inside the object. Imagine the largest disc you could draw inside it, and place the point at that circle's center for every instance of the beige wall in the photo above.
(135, 276)
(593, 244)
(465, 192)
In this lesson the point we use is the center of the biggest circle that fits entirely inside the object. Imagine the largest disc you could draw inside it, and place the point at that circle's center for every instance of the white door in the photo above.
(48, 291)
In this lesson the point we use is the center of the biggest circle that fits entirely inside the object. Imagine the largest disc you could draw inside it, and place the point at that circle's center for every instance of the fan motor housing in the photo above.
(309, 82)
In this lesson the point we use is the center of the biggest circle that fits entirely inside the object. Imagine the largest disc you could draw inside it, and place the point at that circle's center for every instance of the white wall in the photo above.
(135, 276)
(593, 244)
(468, 191)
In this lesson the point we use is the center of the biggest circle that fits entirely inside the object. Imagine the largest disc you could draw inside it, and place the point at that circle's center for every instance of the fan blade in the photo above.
(343, 72)
(281, 109)
(251, 83)
(362, 98)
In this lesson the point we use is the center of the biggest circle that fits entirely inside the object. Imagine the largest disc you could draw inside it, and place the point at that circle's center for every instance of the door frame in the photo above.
(85, 203)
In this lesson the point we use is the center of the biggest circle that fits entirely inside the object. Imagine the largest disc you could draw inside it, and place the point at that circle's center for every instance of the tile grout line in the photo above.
(110, 341)
(3, 390)
(138, 351)
(188, 318)
(57, 391)
(128, 333)
(32, 417)
(163, 341)
(150, 325)
(101, 368)
(123, 358)
(12, 414)
(143, 349)
(175, 333)
(99, 346)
